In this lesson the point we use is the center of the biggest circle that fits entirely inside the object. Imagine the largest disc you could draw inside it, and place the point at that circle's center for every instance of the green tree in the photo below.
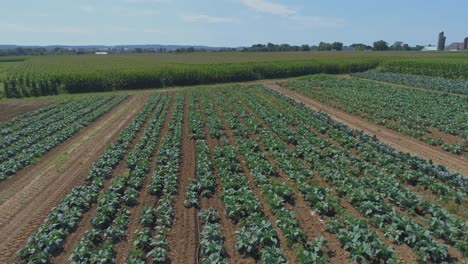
(337, 46)
(360, 47)
(324, 46)
(398, 45)
(305, 47)
(381, 45)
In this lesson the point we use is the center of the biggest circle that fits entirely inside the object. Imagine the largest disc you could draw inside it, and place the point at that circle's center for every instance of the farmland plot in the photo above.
(435, 118)
(245, 174)
(29, 136)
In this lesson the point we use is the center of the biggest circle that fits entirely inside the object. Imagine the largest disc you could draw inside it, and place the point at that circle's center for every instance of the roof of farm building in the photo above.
(455, 46)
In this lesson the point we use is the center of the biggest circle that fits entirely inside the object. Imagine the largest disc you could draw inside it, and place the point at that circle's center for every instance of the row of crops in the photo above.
(65, 217)
(429, 82)
(423, 114)
(257, 155)
(450, 68)
(26, 83)
(366, 188)
(27, 137)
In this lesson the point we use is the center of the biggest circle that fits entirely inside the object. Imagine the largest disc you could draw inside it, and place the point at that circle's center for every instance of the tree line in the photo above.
(380, 45)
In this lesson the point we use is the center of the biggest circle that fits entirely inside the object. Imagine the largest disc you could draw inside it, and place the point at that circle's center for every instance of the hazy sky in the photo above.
(230, 22)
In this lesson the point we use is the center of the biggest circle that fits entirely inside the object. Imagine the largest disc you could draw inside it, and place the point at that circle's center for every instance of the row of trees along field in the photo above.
(380, 45)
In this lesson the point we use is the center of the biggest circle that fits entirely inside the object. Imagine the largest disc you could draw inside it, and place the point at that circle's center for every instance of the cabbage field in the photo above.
(435, 118)
(366, 163)
(241, 174)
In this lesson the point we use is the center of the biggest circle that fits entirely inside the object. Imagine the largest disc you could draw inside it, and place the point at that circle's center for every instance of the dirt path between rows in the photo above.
(183, 237)
(28, 197)
(397, 140)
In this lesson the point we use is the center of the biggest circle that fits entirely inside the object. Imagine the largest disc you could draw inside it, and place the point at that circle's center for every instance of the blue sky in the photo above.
(229, 22)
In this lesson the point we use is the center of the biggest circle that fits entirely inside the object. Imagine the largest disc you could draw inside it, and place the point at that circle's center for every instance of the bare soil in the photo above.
(10, 109)
(395, 139)
(183, 237)
(28, 197)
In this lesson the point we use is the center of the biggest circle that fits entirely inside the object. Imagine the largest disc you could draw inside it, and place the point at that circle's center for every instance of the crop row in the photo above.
(37, 82)
(47, 125)
(277, 194)
(256, 237)
(22, 154)
(212, 248)
(64, 218)
(410, 111)
(430, 82)
(204, 183)
(450, 69)
(151, 244)
(364, 192)
(112, 214)
(29, 118)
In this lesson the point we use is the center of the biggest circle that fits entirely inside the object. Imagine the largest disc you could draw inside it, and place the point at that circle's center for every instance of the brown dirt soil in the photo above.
(29, 196)
(397, 140)
(8, 110)
(183, 237)
(448, 138)
(145, 198)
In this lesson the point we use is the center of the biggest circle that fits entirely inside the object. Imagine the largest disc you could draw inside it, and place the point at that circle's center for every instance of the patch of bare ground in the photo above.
(288, 252)
(183, 237)
(395, 139)
(448, 138)
(30, 195)
(11, 109)
(145, 198)
(227, 228)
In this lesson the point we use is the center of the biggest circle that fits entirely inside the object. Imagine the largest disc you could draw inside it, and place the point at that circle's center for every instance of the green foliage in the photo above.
(448, 68)
(24, 141)
(381, 45)
(435, 83)
(412, 112)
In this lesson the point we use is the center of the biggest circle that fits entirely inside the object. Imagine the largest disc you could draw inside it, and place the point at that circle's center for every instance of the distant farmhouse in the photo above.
(429, 48)
(455, 46)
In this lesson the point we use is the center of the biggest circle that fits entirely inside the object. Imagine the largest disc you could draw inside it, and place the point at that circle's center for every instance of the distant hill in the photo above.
(115, 47)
